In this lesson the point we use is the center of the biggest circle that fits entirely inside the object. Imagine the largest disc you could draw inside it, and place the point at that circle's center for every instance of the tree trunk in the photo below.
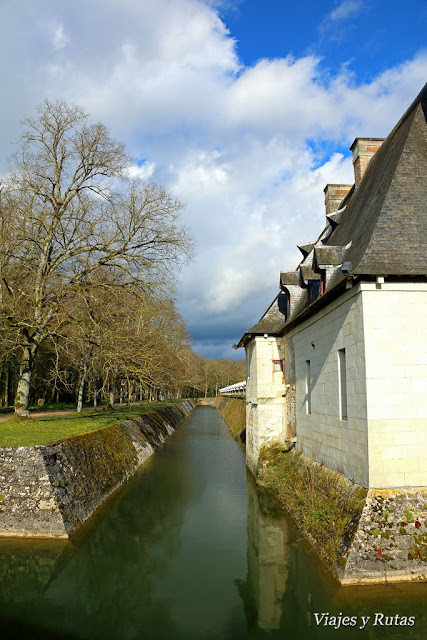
(95, 399)
(23, 389)
(81, 388)
(80, 394)
(6, 384)
(111, 395)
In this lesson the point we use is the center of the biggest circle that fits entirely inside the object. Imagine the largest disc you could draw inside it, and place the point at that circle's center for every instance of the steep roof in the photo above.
(381, 227)
(386, 217)
(273, 320)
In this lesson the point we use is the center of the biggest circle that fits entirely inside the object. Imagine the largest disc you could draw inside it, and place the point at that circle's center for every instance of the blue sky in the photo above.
(244, 109)
(366, 36)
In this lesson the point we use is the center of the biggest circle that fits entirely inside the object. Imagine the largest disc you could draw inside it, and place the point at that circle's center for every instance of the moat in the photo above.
(192, 548)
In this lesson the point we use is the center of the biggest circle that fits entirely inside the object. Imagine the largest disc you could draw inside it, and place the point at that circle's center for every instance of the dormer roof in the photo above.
(307, 274)
(289, 278)
(327, 255)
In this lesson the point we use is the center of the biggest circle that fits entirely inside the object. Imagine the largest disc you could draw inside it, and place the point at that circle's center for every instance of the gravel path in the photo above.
(42, 414)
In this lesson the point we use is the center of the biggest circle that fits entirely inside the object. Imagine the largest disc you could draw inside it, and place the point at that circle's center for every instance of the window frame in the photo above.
(280, 363)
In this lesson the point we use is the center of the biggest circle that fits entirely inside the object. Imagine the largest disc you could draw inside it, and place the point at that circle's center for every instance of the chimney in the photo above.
(334, 193)
(363, 149)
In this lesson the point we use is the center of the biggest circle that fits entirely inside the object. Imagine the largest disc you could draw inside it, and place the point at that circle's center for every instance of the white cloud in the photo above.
(334, 23)
(142, 171)
(345, 10)
(60, 40)
(248, 150)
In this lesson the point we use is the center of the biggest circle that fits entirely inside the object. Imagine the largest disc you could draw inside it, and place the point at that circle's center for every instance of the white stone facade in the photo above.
(359, 369)
(395, 326)
(265, 417)
(339, 442)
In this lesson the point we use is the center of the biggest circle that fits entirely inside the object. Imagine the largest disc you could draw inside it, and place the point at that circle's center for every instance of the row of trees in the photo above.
(166, 370)
(87, 262)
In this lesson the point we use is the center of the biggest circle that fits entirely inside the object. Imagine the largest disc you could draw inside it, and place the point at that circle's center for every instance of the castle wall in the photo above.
(353, 390)
(325, 432)
(265, 389)
(394, 319)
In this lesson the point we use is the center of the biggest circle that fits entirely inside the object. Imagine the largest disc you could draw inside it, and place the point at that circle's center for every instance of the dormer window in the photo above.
(314, 287)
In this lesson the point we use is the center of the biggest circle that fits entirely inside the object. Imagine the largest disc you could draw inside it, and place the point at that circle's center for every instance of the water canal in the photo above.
(190, 548)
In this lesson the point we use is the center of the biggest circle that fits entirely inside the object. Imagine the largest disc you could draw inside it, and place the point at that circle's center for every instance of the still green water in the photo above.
(190, 548)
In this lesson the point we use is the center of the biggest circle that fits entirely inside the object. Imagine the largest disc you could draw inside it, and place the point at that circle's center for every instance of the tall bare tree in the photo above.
(70, 221)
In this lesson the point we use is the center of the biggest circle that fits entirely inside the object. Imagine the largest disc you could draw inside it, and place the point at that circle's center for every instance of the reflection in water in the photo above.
(267, 552)
(26, 570)
(189, 548)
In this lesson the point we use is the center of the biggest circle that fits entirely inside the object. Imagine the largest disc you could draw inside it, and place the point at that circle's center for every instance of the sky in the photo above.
(244, 109)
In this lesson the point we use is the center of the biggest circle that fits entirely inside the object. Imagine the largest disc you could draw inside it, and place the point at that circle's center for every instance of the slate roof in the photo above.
(273, 320)
(381, 227)
(386, 217)
(289, 277)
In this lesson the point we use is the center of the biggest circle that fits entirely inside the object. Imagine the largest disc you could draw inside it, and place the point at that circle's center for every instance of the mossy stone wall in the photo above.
(363, 536)
(50, 490)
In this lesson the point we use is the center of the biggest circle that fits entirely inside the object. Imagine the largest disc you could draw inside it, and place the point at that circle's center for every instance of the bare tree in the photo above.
(77, 223)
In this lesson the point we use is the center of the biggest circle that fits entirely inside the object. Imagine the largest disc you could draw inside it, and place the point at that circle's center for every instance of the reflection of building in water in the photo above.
(267, 576)
(267, 560)
(285, 582)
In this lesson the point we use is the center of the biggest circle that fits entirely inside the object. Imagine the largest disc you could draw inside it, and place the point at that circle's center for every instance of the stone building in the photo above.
(338, 363)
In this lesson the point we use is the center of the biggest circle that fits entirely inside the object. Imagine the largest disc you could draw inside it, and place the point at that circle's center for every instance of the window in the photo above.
(277, 365)
(313, 290)
(307, 387)
(342, 381)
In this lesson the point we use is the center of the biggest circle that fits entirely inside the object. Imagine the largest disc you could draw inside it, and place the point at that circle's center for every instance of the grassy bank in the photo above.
(23, 433)
(233, 411)
(323, 504)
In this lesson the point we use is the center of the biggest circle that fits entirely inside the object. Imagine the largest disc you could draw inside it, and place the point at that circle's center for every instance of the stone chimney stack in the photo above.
(334, 193)
(363, 149)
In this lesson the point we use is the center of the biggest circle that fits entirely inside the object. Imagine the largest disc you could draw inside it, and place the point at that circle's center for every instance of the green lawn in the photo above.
(24, 433)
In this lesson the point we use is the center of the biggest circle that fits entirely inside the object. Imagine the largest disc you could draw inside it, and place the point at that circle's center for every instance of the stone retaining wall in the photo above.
(364, 536)
(390, 544)
(50, 490)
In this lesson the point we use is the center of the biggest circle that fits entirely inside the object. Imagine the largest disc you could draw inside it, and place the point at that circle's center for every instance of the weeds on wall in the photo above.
(322, 503)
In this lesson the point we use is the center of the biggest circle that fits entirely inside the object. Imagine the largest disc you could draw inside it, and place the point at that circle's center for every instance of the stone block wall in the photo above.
(390, 544)
(376, 432)
(340, 442)
(265, 389)
(50, 490)
(394, 319)
(261, 380)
